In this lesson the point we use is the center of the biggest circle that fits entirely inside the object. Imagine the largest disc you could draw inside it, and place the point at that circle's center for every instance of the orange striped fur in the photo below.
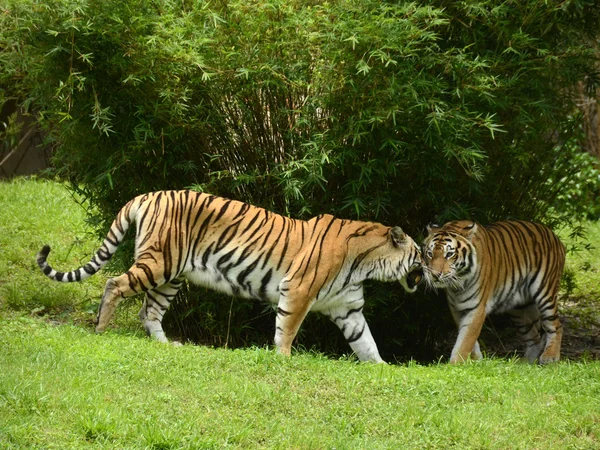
(246, 251)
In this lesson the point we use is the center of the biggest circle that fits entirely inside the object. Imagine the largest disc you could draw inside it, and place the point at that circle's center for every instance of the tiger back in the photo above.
(247, 251)
(509, 266)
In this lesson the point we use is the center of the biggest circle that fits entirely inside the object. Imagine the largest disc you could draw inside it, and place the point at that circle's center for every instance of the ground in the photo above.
(580, 317)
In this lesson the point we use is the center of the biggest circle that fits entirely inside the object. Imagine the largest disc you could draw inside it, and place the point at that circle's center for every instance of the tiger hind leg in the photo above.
(155, 305)
(552, 329)
(526, 320)
(136, 280)
(110, 299)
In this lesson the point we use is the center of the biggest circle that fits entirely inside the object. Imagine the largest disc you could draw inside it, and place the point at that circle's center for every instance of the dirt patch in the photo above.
(581, 322)
(580, 317)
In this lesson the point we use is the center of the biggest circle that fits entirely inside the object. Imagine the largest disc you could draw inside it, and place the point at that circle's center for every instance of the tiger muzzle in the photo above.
(414, 278)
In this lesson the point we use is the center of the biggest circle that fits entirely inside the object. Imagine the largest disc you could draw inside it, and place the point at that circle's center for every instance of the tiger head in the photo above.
(399, 259)
(449, 254)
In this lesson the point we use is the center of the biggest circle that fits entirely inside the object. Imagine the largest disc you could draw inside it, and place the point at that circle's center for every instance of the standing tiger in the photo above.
(510, 266)
(247, 251)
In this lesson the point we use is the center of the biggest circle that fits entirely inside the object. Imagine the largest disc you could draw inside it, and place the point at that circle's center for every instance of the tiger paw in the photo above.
(547, 359)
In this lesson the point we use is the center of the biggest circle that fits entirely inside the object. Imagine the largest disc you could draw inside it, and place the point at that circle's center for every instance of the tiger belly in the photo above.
(501, 305)
(264, 284)
(502, 301)
(259, 284)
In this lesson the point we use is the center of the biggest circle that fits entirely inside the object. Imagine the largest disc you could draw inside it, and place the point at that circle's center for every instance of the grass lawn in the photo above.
(34, 213)
(580, 304)
(63, 387)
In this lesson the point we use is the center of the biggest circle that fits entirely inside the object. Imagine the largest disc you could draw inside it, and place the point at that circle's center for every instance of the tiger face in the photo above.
(400, 260)
(449, 254)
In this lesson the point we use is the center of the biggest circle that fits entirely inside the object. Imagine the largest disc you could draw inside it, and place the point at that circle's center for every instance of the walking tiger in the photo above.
(510, 266)
(247, 251)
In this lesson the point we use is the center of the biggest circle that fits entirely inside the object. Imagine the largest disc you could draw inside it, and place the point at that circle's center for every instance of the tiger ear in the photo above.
(432, 228)
(470, 230)
(398, 236)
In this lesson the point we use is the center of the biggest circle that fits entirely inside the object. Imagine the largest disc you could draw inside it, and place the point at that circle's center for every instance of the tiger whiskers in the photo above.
(455, 282)
(444, 280)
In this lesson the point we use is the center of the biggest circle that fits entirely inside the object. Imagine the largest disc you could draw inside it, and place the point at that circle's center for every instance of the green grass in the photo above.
(580, 294)
(36, 212)
(583, 265)
(63, 387)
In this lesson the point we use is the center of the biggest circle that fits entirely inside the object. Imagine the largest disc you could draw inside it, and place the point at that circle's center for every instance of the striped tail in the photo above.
(115, 236)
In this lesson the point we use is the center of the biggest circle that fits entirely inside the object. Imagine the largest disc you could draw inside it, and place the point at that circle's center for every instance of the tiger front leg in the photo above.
(291, 311)
(350, 319)
(469, 328)
(476, 351)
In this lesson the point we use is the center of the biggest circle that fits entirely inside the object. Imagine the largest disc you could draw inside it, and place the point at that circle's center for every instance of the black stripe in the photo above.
(141, 220)
(243, 210)
(155, 299)
(206, 255)
(247, 251)
(266, 236)
(252, 222)
(226, 237)
(262, 292)
(241, 278)
(351, 311)
(273, 246)
(203, 229)
(317, 265)
(359, 259)
(168, 255)
(286, 243)
(223, 209)
(356, 335)
(282, 312)
(223, 259)
(149, 275)
(114, 242)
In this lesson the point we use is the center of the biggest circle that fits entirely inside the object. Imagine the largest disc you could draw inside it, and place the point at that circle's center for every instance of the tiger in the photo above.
(510, 267)
(247, 251)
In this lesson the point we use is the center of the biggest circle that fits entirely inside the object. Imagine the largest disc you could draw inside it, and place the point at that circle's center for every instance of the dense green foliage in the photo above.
(398, 112)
